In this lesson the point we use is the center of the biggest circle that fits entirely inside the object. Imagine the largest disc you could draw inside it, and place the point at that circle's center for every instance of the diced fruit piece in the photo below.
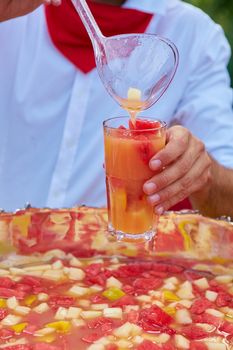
(113, 293)
(44, 331)
(215, 313)
(113, 282)
(18, 328)
(148, 345)
(194, 332)
(11, 320)
(54, 275)
(197, 345)
(75, 274)
(183, 316)
(126, 330)
(22, 310)
(215, 346)
(169, 296)
(200, 305)
(181, 342)
(154, 316)
(210, 295)
(41, 308)
(113, 312)
(63, 300)
(3, 313)
(202, 283)
(73, 312)
(185, 291)
(42, 296)
(60, 326)
(224, 279)
(30, 299)
(134, 94)
(12, 303)
(61, 313)
(87, 315)
(99, 307)
(78, 291)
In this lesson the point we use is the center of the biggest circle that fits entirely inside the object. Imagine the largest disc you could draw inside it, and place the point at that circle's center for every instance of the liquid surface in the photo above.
(113, 304)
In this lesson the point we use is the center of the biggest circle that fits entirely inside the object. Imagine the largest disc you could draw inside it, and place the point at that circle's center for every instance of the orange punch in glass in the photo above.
(128, 149)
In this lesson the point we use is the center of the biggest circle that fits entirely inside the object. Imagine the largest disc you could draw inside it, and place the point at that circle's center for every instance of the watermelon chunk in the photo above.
(194, 345)
(144, 124)
(148, 345)
(194, 332)
(200, 305)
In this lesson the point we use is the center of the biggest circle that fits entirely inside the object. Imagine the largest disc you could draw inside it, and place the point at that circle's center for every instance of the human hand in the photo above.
(15, 8)
(183, 168)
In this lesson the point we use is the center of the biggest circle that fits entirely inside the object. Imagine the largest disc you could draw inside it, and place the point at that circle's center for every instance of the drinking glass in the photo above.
(127, 156)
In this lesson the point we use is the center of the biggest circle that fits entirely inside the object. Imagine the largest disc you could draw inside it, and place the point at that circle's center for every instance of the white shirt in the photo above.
(51, 114)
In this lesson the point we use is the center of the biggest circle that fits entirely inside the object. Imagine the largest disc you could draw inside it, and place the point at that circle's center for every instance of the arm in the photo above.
(197, 160)
(15, 8)
(219, 192)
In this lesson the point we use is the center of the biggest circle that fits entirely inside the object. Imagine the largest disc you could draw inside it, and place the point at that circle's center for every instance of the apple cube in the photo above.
(134, 94)
(224, 279)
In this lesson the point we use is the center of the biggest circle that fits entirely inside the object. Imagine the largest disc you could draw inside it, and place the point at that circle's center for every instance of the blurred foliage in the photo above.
(222, 12)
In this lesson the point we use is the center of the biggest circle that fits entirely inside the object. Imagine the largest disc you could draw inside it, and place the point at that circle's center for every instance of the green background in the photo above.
(222, 12)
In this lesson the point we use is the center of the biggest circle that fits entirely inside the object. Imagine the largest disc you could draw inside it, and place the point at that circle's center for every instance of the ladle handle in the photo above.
(89, 22)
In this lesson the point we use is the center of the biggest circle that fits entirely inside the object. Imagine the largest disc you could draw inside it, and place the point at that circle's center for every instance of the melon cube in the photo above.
(54, 275)
(183, 316)
(126, 330)
(75, 262)
(78, 291)
(215, 346)
(113, 282)
(57, 265)
(87, 315)
(75, 274)
(112, 312)
(73, 312)
(211, 295)
(12, 303)
(41, 308)
(61, 313)
(162, 338)
(224, 279)
(11, 320)
(181, 342)
(78, 323)
(42, 297)
(22, 310)
(201, 283)
(99, 306)
(215, 313)
(134, 94)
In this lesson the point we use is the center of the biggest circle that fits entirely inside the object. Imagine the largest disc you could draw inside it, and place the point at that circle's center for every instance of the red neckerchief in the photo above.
(71, 39)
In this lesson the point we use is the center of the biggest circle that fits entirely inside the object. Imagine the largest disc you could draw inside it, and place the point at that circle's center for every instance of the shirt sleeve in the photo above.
(206, 105)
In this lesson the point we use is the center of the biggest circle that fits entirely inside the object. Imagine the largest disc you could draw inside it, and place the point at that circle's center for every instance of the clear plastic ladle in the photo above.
(144, 62)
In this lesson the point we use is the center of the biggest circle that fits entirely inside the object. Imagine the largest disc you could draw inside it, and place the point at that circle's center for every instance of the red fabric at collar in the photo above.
(70, 37)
